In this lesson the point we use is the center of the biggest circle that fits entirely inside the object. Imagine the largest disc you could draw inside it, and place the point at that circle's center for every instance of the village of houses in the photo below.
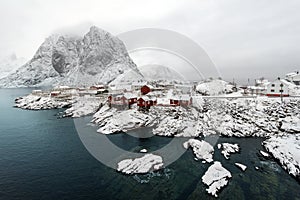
(173, 93)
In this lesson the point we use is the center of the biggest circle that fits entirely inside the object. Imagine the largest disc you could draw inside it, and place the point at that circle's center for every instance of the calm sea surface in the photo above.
(42, 157)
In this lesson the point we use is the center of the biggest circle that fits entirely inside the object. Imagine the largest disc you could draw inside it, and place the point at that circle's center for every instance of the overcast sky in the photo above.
(244, 38)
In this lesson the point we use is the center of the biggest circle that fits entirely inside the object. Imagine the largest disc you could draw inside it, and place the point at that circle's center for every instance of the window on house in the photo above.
(280, 90)
(272, 90)
(273, 85)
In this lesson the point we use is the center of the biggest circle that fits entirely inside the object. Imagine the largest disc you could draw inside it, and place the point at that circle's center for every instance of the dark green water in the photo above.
(42, 157)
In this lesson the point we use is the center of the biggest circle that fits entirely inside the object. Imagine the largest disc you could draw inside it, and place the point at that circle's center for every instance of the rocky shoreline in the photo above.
(278, 122)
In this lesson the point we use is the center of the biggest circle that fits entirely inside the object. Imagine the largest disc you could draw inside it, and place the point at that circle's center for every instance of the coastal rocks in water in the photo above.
(169, 126)
(286, 149)
(33, 102)
(83, 106)
(264, 154)
(215, 178)
(142, 165)
(170, 121)
(112, 121)
(241, 166)
(201, 149)
(143, 151)
(228, 149)
(178, 122)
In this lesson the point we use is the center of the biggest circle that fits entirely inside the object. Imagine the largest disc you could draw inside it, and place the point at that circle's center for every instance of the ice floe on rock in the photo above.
(215, 178)
(241, 166)
(228, 149)
(202, 150)
(286, 149)
(141, 165)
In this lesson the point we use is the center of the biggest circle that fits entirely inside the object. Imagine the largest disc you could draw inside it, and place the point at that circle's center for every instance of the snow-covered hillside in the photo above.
(96, 57)
(9, 65)
(158, 72)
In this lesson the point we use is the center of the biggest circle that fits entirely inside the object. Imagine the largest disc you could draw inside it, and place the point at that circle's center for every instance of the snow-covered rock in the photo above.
(169, 126)
(74, 61)
(141, 165)
(286, 149)
(143, 151)
(291, 124)
(202, 150)
(179, 122)
(83, 106)
(228, 149)
(215, 178)
(241, 166)
(264, 154)
(112, 121)
(35, 102)
(214, 87)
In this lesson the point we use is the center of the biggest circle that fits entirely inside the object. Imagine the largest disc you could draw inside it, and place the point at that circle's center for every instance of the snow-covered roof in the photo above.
(98, 86)
(62, 87)
(150, 86)
(256, 87)
(185, 97)
(287, 82)
(291, 74)
(55, 92)
(130, 95)
(283, 81)
(163, 101)
(145, 98)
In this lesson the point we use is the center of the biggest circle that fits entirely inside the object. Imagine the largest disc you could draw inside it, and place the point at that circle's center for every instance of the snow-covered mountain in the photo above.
(159, 72)
(9, 64)
(97, 57)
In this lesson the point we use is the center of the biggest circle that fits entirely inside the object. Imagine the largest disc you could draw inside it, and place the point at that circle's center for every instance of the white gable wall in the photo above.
(273, 89)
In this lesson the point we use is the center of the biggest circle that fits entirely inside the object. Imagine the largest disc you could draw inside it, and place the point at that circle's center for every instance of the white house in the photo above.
(279, 87)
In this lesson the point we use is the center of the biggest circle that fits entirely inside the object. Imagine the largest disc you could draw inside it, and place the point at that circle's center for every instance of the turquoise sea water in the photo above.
(42, 157)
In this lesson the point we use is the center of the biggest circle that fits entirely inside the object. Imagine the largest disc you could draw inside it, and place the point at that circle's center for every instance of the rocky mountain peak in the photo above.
(97, 57)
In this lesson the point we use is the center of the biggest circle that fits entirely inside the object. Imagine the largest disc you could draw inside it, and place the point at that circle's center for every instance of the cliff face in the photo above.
(98, 57)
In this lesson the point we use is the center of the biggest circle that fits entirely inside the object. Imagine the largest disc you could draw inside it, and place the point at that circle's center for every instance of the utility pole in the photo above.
(281, 87)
